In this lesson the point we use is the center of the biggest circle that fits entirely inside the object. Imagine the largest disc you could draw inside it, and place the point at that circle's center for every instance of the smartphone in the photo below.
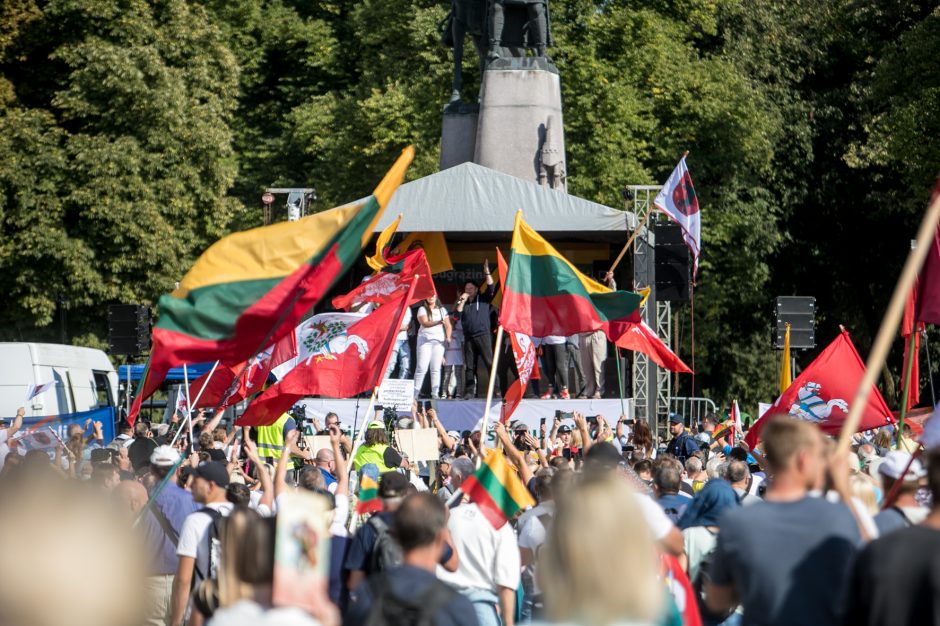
(557, 414)
(379, 408)
(427, 405)
(542, 422)
(591, 419)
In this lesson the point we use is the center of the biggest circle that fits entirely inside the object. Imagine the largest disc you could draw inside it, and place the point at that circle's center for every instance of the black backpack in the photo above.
(386, 553)
(389, 610)
(205, 592)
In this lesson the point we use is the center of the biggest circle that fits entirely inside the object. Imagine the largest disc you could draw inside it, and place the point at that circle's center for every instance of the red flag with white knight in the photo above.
(395, 278)
(822, 392)
(523, 351)
(343, 361)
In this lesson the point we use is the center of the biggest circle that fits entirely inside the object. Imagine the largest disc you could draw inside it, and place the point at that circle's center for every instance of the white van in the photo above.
(85, 378)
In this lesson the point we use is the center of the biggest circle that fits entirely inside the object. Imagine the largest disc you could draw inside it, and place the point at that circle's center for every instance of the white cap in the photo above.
(896, 461)
(164, 456)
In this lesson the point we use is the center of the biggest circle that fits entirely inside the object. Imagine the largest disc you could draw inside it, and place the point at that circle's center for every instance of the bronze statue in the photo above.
(498, 28)
(467, 17)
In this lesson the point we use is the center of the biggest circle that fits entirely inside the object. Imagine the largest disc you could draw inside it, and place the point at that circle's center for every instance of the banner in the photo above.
(60, 423)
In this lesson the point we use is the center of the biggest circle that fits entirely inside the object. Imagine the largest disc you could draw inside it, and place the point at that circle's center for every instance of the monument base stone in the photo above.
(458, 134)
(520, 131)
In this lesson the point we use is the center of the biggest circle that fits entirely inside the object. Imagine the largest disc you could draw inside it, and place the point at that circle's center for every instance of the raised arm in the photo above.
(513, 453)
(446, 439)
(267, 485)
(342, 472)
(581, 424)
(280, 474)
(17, 422)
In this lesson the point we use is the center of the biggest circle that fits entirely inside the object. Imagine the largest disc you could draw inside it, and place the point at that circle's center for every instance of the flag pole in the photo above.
(189, 409)
(906, 389)
(189, 415)
(620, 381)
(357, 437)
(630, 239)
(933, 394)
(889, 324)
(489, 389)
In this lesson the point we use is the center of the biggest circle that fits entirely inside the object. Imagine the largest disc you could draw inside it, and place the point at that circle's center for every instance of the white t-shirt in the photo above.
(403, 334)
(250, 612)
(488, 557)
(659, 524)
(434, 332)
(554, 340)
(4, 446)
(532, 535)
(193, 535)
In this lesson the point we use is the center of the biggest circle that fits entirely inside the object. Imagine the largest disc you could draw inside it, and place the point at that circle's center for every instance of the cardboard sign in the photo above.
(315, 443)
(398, 393)
(302, 551)
(420, 444)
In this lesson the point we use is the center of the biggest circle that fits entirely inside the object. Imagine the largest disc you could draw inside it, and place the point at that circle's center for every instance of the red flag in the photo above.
(216, 386)
(679, 585)
(822, 392)
(523, 351)
(394, 279)
(910, 331)
(344, 361)
(641, 338)
(928, 298)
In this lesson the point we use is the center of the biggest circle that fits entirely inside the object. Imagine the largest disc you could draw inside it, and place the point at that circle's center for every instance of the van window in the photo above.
(103, 390)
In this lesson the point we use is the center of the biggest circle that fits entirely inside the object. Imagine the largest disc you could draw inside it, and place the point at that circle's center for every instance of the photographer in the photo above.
(271, 440)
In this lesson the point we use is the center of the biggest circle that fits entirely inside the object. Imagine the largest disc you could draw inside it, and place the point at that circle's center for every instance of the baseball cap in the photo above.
(393, 485)
(453, 434)
(564, 428)
(164, 456)
(375, 424)
(520, 427)
(675, 418)
(895, 463)
(214, 471)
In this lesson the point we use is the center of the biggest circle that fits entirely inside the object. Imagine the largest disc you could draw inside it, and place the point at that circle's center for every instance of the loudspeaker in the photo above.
(128, 329)
(611, 386)
(672, 264)
(800, 313)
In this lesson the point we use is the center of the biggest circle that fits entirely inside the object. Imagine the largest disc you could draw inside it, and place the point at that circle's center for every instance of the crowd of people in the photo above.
(625, 529)
(453, 350)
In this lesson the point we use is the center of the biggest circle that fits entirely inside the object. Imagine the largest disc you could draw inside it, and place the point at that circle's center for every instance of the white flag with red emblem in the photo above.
(677, 199)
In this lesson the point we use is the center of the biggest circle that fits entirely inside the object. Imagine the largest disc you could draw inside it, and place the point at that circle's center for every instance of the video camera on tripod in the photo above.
(299, 413)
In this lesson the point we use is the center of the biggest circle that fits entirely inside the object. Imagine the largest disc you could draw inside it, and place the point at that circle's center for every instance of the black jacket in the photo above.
(475, 316)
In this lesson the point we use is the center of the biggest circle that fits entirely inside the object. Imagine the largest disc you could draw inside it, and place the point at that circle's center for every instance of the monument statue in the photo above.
(466, 17)
(498, 28)
(519, 25)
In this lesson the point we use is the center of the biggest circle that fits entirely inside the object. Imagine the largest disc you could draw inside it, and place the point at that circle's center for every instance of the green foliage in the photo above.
(133, 133)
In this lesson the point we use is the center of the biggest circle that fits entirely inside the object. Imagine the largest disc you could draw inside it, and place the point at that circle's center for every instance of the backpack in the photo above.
(698, 585)
(215, 546)
(386, 552)
(389, 610)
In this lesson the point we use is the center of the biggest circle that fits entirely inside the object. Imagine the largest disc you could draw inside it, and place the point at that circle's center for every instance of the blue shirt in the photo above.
(175, 504)
(327, 477)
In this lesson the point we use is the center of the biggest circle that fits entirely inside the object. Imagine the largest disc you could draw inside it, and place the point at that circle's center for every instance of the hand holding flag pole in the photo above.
(889, 324)
(189, 412)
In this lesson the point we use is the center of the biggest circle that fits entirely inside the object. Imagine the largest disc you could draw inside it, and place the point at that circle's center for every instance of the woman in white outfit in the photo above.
(434, 332)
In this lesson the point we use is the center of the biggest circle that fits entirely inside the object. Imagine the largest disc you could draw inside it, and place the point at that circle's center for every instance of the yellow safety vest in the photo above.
(271, 440)
(371, 454)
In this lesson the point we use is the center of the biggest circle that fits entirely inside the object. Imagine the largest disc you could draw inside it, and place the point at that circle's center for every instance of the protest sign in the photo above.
(420, 444)
(397, 393)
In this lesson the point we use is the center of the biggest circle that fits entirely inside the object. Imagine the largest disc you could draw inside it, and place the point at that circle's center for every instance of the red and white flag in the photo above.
(39, 439)
(641, 338)
(394, 279)
(35, 390)
(677, 199)
(822, 392)
(523, 351)
(344, 361)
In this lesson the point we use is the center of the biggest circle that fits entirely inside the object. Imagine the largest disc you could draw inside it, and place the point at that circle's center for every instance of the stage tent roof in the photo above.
(475, 200)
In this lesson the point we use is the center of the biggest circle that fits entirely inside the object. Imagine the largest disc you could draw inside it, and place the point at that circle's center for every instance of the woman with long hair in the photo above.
(643, 440)
(434, 332)
(599, 521)
(246, 577)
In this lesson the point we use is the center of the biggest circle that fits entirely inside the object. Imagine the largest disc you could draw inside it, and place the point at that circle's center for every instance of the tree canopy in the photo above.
(134, 133)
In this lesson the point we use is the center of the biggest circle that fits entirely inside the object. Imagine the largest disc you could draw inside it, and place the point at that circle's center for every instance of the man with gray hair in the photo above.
(738, 474)
(489, 570)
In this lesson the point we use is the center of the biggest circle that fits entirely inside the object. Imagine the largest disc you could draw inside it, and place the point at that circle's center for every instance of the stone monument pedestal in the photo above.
(519, 130)
(458, 134)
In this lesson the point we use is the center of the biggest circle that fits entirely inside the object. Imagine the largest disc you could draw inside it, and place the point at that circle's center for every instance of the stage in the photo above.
(462, 415)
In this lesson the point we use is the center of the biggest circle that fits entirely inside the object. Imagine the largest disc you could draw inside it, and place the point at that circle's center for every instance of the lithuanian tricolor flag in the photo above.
(546, 295)
(251, 288)
(497, 489)
(369, 501)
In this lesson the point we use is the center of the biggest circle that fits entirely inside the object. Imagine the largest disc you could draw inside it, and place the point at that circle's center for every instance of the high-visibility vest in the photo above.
(271, 440)
(371, 454)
